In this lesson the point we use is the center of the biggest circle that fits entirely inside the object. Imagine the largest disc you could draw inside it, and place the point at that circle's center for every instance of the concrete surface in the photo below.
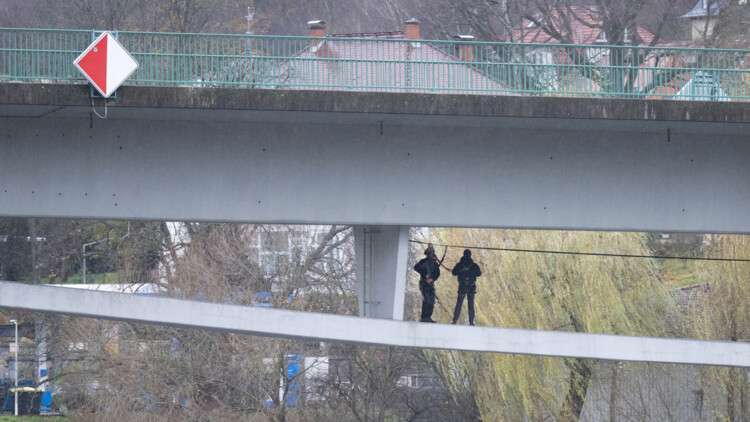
(368, 331)
(277, 156)
(381, 254)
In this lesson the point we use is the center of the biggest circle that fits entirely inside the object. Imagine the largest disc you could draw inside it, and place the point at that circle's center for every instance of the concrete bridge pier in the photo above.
(381, 254)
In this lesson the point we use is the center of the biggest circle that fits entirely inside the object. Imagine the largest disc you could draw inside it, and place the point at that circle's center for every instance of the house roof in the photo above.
(657, 76)
(583, 25)
(394, 35)
(701, 11)
(9, 331)
(673, 81)
(385, 62)
(689, 296)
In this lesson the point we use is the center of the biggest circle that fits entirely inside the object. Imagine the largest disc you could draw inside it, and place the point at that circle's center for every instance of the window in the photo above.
(325, 261)
(268, 263)
(411, 381)
(274, 246)
(274, 241)
(414, 381)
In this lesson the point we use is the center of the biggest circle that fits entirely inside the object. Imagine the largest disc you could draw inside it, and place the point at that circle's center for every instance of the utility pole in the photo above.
(15, 371)
(249, 18)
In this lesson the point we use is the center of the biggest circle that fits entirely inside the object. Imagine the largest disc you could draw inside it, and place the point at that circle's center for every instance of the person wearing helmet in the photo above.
(429, 271)
(467, 272)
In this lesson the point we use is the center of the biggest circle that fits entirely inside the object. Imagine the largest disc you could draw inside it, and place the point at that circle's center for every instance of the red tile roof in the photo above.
(582, 25)
(384, 64)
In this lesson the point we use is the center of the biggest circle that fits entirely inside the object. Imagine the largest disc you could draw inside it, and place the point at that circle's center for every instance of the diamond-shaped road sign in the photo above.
(106, 64)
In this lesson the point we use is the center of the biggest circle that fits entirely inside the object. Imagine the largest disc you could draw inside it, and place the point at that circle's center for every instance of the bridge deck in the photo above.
(63, 100)
(281, 156)
(366, 331)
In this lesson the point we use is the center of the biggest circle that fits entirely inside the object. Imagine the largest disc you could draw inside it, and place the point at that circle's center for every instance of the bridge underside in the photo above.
(375, 159)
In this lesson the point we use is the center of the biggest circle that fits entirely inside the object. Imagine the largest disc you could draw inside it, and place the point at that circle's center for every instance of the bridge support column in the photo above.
(381, 255)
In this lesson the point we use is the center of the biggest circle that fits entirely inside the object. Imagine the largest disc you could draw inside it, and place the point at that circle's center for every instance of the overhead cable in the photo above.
(612, 255)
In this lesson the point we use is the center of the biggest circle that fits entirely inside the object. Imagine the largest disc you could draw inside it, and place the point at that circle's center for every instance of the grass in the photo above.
(91, 278)
(32, 418)
(679, 273)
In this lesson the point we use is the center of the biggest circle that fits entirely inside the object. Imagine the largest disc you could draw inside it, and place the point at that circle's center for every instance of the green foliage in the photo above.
(679, 273)
(91, 278)
(551, 292)
(722, 312)
(726, 315)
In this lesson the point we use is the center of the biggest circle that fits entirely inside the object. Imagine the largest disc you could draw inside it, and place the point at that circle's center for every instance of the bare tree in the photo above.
(25, 14)
(169, 372)
(732, 26)
(98, 14)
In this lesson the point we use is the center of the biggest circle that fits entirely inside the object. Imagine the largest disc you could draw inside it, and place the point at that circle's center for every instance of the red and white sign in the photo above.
(106, 64)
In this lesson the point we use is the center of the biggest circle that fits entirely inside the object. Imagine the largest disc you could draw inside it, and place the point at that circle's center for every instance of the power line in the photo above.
(612, 255)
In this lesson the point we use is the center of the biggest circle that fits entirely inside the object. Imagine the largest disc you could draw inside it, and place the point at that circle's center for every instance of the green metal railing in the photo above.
(389, 65)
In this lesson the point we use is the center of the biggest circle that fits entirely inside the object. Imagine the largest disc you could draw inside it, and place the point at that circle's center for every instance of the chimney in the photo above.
(317, 28)
(412, 29)
(466, 51)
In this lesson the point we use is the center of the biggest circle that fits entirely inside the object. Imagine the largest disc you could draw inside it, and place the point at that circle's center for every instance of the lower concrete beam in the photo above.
(366, 331)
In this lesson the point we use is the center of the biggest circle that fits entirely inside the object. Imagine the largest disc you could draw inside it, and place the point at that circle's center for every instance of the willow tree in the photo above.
(722, 312)
(611, 295)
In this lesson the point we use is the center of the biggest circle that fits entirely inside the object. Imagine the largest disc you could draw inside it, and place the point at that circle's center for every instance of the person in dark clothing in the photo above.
(467, 272)
(429, 271)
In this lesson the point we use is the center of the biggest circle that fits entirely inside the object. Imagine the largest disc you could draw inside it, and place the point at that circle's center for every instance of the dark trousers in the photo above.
(428, 301)
(459, 304)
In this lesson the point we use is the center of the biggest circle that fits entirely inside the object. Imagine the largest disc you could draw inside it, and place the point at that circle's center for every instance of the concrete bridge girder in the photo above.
(270, 172)
(400, 160)
(367, 331)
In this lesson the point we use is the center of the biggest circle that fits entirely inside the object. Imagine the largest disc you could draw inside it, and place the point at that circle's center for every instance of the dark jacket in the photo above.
(467, 271)
(427, 266)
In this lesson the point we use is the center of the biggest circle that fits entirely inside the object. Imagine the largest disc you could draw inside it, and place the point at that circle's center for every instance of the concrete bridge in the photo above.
(379, 161)
(369, 331)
